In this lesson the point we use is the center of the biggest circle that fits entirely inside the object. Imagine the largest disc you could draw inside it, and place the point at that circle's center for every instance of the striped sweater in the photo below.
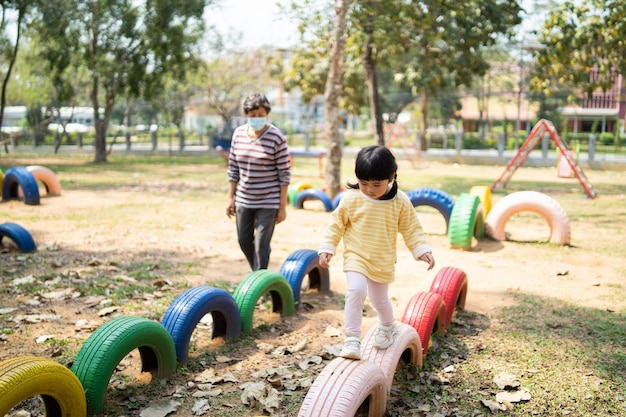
(259, 167)
(369, 229)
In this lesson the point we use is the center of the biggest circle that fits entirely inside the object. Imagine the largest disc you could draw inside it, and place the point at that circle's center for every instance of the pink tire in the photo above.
(451, 284)
(47, 177)
(346, 387)
(407, 347)
(426, 313)
(533, 201)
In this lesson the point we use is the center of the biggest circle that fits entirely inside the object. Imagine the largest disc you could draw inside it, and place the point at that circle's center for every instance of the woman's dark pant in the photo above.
(255, 228)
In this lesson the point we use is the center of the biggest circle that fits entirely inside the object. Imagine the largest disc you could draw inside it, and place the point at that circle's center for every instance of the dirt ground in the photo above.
(106, 230)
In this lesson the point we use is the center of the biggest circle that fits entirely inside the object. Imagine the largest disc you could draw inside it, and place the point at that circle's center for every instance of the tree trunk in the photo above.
(423, 145)
(372, 83)
(331, 100)
(5, 82)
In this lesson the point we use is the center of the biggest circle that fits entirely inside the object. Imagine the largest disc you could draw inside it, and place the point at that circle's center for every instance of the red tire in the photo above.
(426, 313)
(451, 284)
(407, 347)
(344, 388)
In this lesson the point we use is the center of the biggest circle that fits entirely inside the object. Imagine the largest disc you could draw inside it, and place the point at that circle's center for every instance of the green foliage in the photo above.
(580, 36)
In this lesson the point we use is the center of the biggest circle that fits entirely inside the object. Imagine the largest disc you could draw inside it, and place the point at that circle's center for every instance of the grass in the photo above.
(571, 358)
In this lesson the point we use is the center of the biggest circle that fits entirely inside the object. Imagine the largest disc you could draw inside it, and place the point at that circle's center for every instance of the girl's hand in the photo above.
(325, 259)
(429, 259)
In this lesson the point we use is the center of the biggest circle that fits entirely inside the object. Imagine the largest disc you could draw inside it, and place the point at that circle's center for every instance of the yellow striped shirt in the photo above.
(369, 229)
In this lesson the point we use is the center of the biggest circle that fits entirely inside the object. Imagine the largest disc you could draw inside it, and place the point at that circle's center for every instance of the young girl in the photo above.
(369, 217)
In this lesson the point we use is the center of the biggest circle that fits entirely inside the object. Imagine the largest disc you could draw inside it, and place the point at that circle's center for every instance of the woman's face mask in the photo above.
(257, 123)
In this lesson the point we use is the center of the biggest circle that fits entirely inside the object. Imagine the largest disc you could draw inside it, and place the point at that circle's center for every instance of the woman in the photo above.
(258, 176)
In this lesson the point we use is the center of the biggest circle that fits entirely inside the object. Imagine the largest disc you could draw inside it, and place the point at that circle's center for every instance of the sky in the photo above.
(258, 21)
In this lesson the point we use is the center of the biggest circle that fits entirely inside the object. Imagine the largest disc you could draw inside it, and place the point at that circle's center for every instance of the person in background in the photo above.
(369, 217)
(259, 171)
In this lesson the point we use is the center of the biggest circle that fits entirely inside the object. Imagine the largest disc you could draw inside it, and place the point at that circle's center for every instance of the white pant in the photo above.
(359, 286)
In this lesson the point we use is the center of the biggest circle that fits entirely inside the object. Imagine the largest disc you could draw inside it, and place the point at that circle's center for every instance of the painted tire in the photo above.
(254, 286)
(451, 284)
(337, 199)
(483, 192)
(47, 177)
(110, 343)
(533, 201)
(298, 265)
(345, 386)
(313, 194)
(24, 377)
(22, 238)
(20, 177)
(294, 189)
(186, 311)
(463, 221)
(426, 313)
(407, 347)
(437, 199)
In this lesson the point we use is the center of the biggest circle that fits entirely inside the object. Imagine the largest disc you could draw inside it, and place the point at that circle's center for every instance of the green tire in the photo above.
(463, 221)
(257, 283)
(110, 343)
(24, 377)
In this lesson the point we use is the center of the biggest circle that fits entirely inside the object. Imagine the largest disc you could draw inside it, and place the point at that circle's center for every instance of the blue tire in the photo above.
(435, 198)
(313, 194)
(19, 235)
(186, 311)
(298, 265)
(20, 177)
(337, 199)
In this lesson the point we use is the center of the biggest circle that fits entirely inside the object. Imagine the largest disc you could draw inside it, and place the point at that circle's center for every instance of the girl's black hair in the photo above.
(376, 163)
(255, 101)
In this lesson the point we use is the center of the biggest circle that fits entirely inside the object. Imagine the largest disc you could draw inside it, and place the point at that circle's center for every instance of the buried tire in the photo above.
(426, 313)
(19, 235)
(314, 194)
(406, 347)
(345, 387)
(110, 343)
(16, 178)
(186, 311)
(432, 197)
(47, 177)
(257, 283)
(451, 284)
(532, 201)
(298, 265)
(24, 377)
(466, 221)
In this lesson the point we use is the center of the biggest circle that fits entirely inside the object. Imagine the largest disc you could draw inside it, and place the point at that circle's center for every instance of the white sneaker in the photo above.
(351, 348)
(385, 335)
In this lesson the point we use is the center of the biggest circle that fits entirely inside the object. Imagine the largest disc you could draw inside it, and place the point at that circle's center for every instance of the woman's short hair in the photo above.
(256, 101)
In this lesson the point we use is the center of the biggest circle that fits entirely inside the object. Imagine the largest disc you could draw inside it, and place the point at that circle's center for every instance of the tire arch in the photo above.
(426, 313)
(529, 201)
(186, 311)
(254, 286)
(24, 377)
(110, 343)
(344, 387)
(300, 264)
(451, 284)
(406, 348)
